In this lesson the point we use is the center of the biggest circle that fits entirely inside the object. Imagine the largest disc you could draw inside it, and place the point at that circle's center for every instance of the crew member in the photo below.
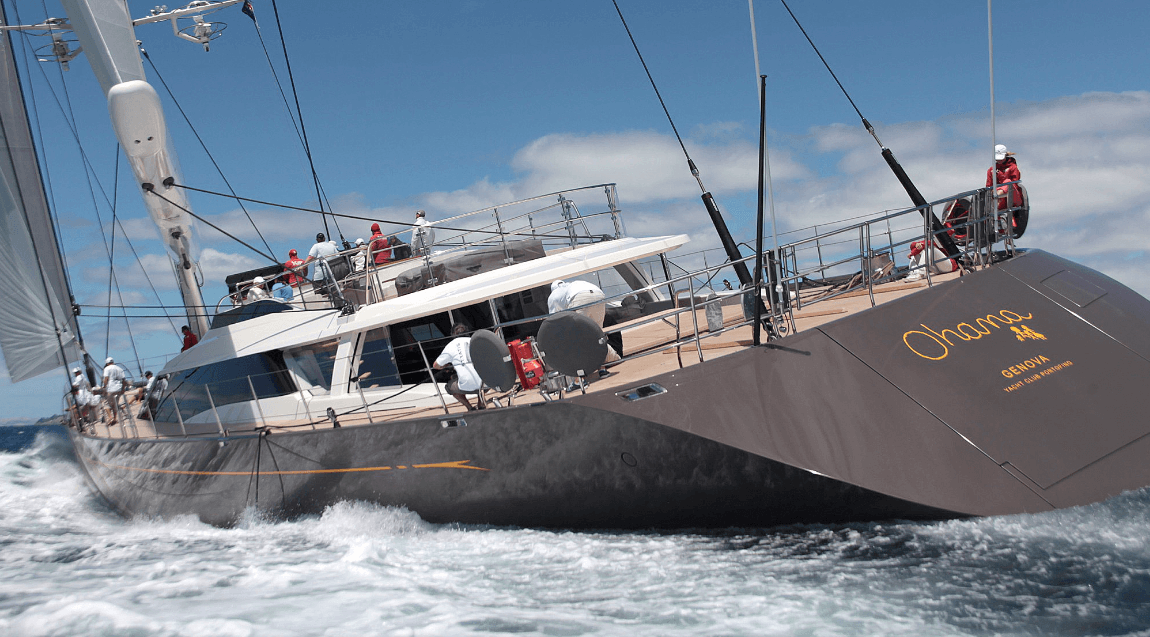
(257, 292)
(142, 391)
(82, 395)
(190, 338)
(935, 259)
(585, 298)
(325, 250)
(295, 273)
(1008, 176)
(380, 246)
(152, 393)
(422, 235)
(113, 389)
(465, 380)
(359, 259)
(566, 295)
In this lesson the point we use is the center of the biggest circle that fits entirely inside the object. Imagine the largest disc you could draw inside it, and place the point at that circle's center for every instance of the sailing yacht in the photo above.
(1003, 383)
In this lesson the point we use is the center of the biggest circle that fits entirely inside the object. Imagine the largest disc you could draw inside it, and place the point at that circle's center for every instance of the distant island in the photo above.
(57, 419)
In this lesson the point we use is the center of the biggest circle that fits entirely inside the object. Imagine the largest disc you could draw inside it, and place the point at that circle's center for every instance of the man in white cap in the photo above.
(359, 259)
(585, 298)
(113, 388)
(257, 291)
(82, 395)
(422, 234)
(566, 295)
(1005, 171)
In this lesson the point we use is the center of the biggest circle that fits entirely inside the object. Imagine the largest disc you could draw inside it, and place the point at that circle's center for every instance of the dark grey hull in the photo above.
(925, 407)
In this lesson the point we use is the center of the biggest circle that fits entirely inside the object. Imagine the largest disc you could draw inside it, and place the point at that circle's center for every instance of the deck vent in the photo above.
(641, 392)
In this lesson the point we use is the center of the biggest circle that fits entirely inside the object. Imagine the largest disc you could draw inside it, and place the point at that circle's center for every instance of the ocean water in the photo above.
(70, 566)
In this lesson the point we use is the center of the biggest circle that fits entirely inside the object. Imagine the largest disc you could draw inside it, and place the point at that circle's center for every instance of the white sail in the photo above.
(37, 327)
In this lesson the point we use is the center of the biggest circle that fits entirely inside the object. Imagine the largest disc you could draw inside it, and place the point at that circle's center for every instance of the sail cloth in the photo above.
(37, 328)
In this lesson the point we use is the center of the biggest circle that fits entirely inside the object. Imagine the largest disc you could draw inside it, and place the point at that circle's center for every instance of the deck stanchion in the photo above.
(256, 400)
(128, 413)
(307, 409)
(927, 249)
(366, 409)
(431, 374)
(215, 413)
(613, 208)
(179, 417)
(819, 250)
(695, 318)
(675, 304)
(868, 263)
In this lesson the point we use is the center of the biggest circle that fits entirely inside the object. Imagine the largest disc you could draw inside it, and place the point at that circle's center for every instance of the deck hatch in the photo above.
(641, 392)
(1074, 288)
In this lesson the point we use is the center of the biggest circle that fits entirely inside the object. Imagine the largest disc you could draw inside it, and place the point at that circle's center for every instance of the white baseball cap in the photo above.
(109, 361)
(1000, 152)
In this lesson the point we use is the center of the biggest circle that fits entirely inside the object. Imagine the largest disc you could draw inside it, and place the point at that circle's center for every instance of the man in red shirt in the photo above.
(1005, 171)
(380, 249)
(190, 338)
(295, 274)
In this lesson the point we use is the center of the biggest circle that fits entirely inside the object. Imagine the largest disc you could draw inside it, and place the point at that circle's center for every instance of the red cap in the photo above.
(292, 252)
(375, 227)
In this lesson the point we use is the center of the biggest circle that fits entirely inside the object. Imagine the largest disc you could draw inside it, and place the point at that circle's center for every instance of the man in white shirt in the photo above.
(566, 295)
(257, 292)
(586, 299)
(359, 259)
(325, 251)
(113, 389)
(422, 234)
(82, 394)
(150, 395)
(466, 380)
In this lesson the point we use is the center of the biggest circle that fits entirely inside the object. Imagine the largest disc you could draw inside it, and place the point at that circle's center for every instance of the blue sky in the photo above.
(451, 106)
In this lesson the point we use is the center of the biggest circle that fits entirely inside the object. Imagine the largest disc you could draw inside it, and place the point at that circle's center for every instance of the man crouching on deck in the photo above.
(466, 379)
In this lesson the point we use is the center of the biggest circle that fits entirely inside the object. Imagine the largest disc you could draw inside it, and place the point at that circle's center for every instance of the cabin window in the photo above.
(376, 362)
(227, 382)
(312, 365)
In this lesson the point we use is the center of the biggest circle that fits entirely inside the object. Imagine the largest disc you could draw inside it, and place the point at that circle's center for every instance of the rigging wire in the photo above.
(291, 115)
(202, 144)
(652, 80)
(362, 218)
(303, 127)
(824, 60)
(112, 256)
(214, 226)
(152, 191)
(111, 261)
(44, 169)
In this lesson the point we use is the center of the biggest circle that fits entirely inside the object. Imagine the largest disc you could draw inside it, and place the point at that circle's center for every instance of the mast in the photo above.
(107, 36)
